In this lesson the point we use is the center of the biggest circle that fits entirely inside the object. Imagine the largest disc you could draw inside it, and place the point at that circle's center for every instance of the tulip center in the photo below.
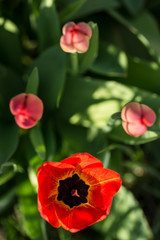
(72, 191)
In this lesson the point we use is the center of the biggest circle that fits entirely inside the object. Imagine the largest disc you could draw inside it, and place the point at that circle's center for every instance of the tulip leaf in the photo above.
(50, 140)
(8, 170)
(52, 69)
(91, 6)
(111, 61)
(6, 200)
(37, 140)
(48, 25)
(128, 218)
(119, 134)
(134, 6)
(86, 59)
(8, 141)
(147, 34)
(30, 219)
(33, 82)
(149, 72)
(68, 11)
(34, 163)
(6, 93)
(10, 47)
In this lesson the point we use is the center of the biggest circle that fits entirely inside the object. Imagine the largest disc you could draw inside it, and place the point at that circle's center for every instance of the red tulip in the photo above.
(76, 192)
(75, 37)
(27, 109)
(136, 118)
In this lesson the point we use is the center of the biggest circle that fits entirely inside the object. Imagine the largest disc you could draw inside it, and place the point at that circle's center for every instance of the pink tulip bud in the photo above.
(27, 109)
(75, 37)
(136, 118)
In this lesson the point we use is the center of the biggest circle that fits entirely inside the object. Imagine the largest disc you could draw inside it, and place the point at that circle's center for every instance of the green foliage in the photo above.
(83, 95)
(33, 82)
(128, 218)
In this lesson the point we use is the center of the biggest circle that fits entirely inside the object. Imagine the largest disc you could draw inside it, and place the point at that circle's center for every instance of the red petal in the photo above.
(149, 116)
(104, 183)
(49, 214)
(78, 218)
(34, 106)
(24, 121)
(68, 27)
(131, 112)
(84, 160)
(17, 103)
(48, 175)
(134, 129)
(85, 28)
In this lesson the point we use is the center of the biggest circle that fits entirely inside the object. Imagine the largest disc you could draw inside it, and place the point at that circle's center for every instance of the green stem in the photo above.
(74, 62)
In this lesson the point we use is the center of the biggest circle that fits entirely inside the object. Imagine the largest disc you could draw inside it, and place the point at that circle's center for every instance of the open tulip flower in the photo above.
(136, 118)
(27, 109)
(76, 192)
(75, 37)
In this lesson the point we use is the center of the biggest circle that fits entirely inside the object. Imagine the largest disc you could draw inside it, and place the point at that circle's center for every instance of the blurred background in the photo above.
(121, 65)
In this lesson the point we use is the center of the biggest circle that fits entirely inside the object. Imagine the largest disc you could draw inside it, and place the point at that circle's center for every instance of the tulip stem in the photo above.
(74, 62)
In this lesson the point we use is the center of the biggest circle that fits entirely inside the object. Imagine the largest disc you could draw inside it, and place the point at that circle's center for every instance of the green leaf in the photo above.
(119, 134)
(126, 219)
(48, 25)
(143, 74)
(86, 59)
(37, 140)
(52, 70)
(10, 47)
(11, 84)
(34, 163)
(30, 217)
(8, 141)
(8, 170)
(68, 11)
(80, 139)
(33, 82)
(6, 200)
(111, 61)
(148, 33)
(50, 140)
(134, 6)
(92, 6)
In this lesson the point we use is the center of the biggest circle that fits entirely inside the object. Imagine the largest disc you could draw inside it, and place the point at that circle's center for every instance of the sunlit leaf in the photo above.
(31, 220)
(148, 33)
(100, 100)
(111, 61)
(128, 218)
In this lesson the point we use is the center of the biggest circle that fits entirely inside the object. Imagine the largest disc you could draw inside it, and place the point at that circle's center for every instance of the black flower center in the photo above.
(72, 191)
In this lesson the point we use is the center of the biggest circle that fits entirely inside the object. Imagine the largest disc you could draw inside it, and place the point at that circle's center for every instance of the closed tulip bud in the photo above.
(75, 37)
(27, 109)
(136, 118)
